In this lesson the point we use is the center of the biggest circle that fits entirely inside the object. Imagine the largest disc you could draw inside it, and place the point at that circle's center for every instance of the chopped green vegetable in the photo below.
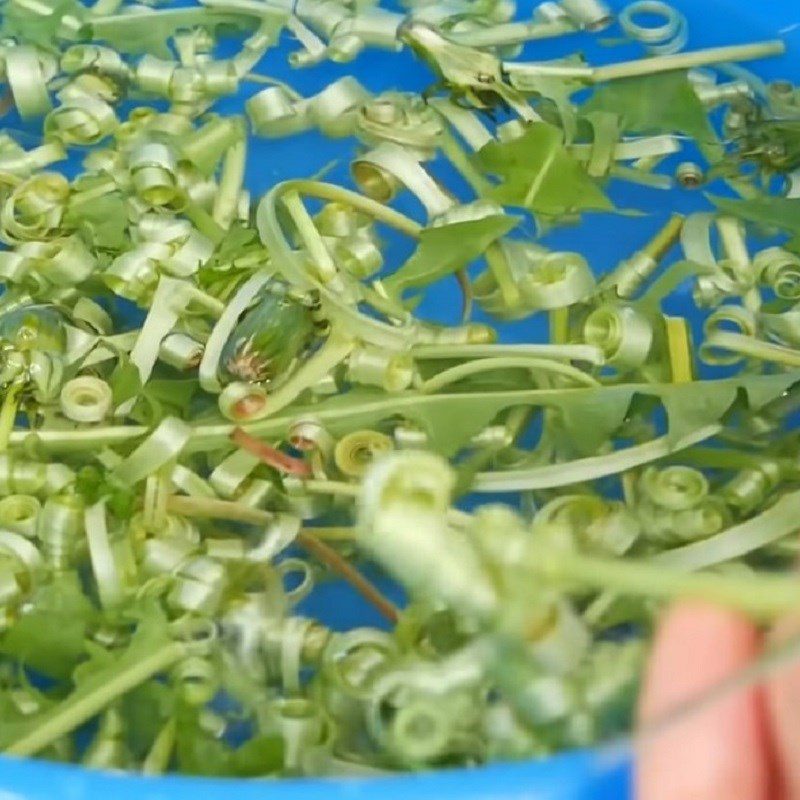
(212, 403)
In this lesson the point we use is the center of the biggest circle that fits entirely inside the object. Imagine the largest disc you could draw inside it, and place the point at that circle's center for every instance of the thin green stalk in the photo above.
(501, 272)
(762, 596)
(335, 303)
(458, 158)
(337, 194)
(312, 240)
(8, 413)
(230, 184)
(681, 61)
(751, 348)
(211, 508)
(204, 222)
(550, 476)
(571, 352)
(332, 487)
(73, 712)
(462, 371)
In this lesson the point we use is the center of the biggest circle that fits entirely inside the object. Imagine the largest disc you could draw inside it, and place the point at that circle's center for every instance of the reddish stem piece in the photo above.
(271, 456)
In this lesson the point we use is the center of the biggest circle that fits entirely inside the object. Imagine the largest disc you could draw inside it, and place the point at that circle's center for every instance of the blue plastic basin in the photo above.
(571, 776)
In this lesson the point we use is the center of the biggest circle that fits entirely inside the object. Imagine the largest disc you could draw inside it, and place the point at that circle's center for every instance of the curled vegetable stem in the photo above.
(336, 348)
(309, 539)
(295, 270)
(775, 523)
(332, 487)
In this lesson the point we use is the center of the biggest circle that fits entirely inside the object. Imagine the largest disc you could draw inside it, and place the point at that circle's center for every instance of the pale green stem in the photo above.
(336, 194)
(571, 352)
(550, 476)
(501, 271)
(762, 596)
(753, 348)
(312, 240)
(686, 61)
(157, 760)
(462, 371)
(73, 712)
(230, 184)
(204, 222)
(332, 487)
(330, 355)
(8, 413)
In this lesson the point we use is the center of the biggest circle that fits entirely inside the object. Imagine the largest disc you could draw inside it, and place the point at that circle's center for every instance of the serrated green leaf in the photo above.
(537, 172)
(770, 212)
(696, 405)
(592, 417)
(445, 249)
(664, 103)
(763, 389)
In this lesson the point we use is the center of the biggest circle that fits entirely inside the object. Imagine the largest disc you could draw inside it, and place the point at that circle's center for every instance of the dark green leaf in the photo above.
(770, 212)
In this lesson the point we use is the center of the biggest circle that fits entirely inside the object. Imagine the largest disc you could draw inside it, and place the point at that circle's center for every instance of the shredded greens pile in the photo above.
(213, 404)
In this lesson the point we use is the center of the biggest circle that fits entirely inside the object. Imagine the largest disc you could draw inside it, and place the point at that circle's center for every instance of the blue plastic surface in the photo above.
(572, 776)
